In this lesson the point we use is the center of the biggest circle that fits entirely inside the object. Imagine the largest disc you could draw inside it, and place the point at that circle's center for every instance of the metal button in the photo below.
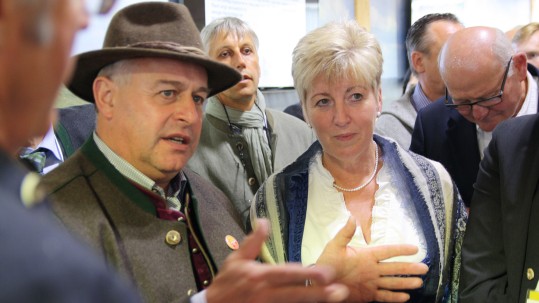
(206, 282)
(173, 237)
(181, 219)
(194, 250)
(251, 181)
(239, 146)
(530, 274)
(191, 292)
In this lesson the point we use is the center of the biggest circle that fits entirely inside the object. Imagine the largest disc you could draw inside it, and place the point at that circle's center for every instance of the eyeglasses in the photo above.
(98, 7)
(466, 107)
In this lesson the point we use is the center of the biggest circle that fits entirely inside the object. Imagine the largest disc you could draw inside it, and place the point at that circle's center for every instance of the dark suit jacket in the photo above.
(443, 135)
(39, 260)
(295, 110)
(74, 127)
(501, 244)
(100, 205)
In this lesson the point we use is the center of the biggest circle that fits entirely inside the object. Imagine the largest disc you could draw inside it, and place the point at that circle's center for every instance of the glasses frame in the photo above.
(464, 106)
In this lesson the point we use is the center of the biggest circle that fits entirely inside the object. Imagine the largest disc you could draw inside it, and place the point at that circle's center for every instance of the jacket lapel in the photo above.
(272, 136)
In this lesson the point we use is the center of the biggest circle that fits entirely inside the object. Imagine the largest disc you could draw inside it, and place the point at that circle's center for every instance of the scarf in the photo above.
(253, 125)
(437, 203)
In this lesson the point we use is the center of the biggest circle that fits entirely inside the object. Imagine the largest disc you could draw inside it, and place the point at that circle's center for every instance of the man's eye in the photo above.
(168, 93)
(247, 51)
(198, 99)
(224, 54)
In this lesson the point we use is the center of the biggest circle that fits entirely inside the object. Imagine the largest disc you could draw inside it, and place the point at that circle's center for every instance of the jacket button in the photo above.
(239, 146)
(252, 181)
(530, 274)
(173, 238)
(191, 292)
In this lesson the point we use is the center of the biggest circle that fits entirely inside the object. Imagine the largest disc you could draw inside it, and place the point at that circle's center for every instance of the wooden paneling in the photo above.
(363, 13)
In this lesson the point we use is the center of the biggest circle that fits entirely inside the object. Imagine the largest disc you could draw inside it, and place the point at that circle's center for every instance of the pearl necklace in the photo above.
(370, 178)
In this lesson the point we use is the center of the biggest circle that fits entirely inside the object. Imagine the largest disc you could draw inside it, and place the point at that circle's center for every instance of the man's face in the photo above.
(39, 60)
(153, 119)
(429, 74)
(239, 53)
(485, 83)
(531, 48)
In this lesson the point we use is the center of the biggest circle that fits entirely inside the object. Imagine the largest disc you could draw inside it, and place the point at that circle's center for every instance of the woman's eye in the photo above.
(357, 96)
(322, 102)
(224, 54)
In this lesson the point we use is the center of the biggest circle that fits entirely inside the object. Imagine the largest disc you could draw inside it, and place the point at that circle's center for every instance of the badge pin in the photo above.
(232, 242)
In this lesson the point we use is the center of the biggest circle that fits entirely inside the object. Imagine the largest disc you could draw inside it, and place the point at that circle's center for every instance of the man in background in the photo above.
(487, 83)
(424, 40)
(526, 40)
(39, 260)
(243, 141)
(74, 126)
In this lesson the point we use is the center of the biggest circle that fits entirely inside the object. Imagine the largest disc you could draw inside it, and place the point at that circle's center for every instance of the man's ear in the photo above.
(104, 89)
(417, 62)
(520, 63)
(34, 17)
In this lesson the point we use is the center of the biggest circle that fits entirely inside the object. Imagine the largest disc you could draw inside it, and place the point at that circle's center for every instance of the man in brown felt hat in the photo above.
(127, 192)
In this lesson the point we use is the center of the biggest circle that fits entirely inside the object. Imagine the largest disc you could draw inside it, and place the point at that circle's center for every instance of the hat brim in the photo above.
(220, 76)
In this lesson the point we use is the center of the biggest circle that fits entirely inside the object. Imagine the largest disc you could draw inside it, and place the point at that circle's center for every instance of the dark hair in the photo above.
(417, 39)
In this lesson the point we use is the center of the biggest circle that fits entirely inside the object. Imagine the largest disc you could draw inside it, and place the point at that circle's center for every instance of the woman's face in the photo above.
(342, 115)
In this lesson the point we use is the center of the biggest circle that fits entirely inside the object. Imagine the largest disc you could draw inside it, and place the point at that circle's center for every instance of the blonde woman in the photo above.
(394, 197)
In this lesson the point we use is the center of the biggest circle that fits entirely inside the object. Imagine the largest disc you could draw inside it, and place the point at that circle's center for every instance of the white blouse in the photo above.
(394, 221)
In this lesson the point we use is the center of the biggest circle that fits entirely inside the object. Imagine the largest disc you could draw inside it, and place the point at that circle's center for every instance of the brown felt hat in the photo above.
(150, 30)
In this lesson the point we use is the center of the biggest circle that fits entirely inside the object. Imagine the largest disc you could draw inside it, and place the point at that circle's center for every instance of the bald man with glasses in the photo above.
(487, 83)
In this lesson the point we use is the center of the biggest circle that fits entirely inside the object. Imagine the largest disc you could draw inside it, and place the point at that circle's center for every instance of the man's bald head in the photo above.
(479, 64)
(472, 49)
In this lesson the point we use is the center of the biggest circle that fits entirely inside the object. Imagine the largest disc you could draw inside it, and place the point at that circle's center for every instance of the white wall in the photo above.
(502, 14)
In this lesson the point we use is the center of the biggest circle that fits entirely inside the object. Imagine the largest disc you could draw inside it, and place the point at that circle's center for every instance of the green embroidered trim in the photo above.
(64, 140)
(90, 150)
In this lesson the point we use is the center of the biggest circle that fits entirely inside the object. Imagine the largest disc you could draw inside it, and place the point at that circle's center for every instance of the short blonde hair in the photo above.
(525, 32)
(337, 50)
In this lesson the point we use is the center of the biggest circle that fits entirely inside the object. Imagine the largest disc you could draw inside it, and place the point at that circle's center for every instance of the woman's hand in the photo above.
(361, 270)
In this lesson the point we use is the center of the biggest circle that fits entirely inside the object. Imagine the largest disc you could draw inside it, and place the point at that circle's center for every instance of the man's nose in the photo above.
(186, 111)
(239, 62)
(479, 112)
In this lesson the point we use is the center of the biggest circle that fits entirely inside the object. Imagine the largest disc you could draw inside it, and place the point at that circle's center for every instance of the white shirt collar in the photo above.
(50, 142)
(530, 102)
